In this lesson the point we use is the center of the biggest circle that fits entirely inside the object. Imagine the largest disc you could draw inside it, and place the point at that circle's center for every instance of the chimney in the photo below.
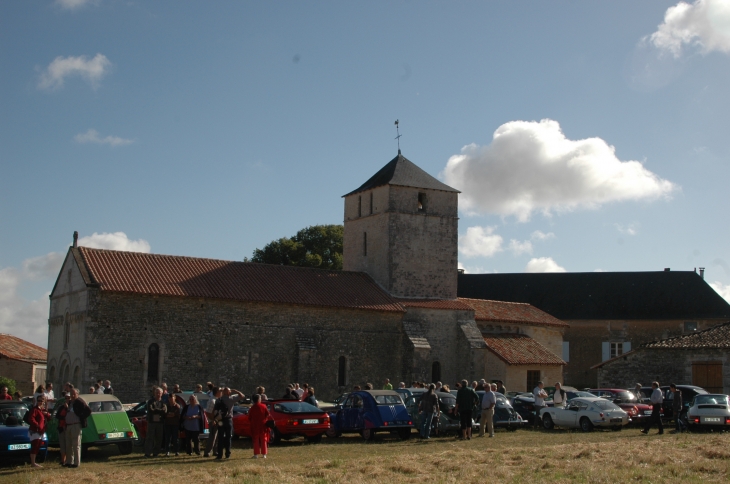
(702, 273)
(666, 269)
(76, 239)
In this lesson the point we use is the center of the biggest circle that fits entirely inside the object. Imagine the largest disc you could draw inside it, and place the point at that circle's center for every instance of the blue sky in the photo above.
(209, 129)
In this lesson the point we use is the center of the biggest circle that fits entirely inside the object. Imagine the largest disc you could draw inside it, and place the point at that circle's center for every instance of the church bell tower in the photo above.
(401, 227)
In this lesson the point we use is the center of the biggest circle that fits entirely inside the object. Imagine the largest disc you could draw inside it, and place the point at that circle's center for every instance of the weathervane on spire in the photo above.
(399, 135)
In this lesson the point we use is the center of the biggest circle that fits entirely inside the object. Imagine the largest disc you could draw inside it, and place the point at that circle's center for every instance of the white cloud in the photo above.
(531, 166)
(543, 264)
(92, 136)
(114, 241)
(630, 229)
(517, 247)
(722, 289)
(540, 235)
(93, 70)
(74, 4)
(28, 319)
(480, 242)
(704, 24)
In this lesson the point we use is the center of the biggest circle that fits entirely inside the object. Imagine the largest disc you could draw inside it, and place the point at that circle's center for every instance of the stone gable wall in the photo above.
(240, 344)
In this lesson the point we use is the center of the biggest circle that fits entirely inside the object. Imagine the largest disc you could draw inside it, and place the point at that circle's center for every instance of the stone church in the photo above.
(393, 312)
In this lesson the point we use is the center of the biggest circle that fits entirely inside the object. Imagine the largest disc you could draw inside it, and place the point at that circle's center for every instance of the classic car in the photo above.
(505, 415)
(638, 412)
(446, 423)
(291, 418)
(688, 393)
(585, 413)
(711, 411)
(14, 436)
(108, 424)
(524, 405)
(371, 411)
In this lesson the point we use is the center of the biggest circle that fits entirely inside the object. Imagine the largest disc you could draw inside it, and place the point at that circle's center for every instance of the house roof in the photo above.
(166, 275)
(714, 337)
(19, 349)
(486, 310)
(603, 295)
(403, 172)
(519, 349)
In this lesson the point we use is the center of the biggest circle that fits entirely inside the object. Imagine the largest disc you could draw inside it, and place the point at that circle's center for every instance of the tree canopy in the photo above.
(315, 246)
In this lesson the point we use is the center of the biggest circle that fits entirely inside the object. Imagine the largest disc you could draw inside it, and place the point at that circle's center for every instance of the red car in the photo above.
(638, 412)
(140, 423)
(292, 419)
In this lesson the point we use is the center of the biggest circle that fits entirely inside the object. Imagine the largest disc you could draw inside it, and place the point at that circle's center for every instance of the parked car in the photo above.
(688, 393)
(571, 394)
(371, 411)
(638, 412)
(108, 424)
(336, 403)
(585, 413)
(140, 423)
(505, 415)
(709, 411)
(524, 405)
(446, 422)
(14, 436)
(291, 418)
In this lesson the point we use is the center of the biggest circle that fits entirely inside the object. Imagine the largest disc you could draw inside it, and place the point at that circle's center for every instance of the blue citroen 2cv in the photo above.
(371, 411)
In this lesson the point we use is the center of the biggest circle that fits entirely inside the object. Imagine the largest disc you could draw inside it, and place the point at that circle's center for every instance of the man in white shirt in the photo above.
(489, 401)
(540, 396)
(210, 443)
(559, 397)
(298, 390)
(50, 397)
(656, 413)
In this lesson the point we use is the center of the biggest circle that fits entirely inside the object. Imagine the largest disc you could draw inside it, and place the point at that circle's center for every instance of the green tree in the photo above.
(7, 382)
(316, 246)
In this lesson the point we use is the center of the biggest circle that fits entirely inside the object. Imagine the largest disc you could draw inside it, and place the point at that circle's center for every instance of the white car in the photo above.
(709, 411)
(585, 413)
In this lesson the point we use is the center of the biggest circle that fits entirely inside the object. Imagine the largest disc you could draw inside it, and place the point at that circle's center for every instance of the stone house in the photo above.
(701, 358)
(141, 319)
(23, 362)
(609, 313)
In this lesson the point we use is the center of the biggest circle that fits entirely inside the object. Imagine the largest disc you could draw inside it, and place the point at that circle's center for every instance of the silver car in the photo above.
(709, 412)
(585, 413)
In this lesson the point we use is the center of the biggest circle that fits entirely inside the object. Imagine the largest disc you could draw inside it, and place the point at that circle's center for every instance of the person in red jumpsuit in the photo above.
(257, 416)
(38, 418)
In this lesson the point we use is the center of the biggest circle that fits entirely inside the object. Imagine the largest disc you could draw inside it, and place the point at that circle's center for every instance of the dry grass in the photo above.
(524, 456)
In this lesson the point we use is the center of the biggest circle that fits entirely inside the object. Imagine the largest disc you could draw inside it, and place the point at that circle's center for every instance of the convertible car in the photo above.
(585, 414)
(709, 412)
(371, 411)
(14, 437)
(291, 418)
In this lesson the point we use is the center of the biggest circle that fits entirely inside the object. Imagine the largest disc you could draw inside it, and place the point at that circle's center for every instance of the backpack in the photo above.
(26, 417)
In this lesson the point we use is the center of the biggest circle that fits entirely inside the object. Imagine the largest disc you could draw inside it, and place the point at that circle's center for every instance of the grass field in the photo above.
(524, 456)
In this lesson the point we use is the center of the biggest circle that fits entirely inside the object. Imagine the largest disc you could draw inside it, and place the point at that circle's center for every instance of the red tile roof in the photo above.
(19, 349)
(717, 337)
(486, 310)
(165, 275)
(519, 349)
(435, 304)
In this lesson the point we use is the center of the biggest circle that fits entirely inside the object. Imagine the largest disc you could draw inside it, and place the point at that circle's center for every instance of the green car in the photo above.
(108, 424)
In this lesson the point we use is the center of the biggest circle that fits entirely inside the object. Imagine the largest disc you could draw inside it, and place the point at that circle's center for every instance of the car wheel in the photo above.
(332, 433)
(586, 425)
(404, 434)
(367, 434)
(315, 439)
(125, 448)
(547, 422)
(274, 436)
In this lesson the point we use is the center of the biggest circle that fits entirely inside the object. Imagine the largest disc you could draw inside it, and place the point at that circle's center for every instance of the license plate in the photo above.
(115, 435)
(18, 446)
(712, 419)
(647, 412)
(310, 421)
(616, 420)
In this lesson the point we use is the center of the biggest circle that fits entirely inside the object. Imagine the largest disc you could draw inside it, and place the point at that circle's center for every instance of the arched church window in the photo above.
(52, 375)
(364, 243)
(77, 377)
(342, 372)
(153, 362)
(435, 371)
(66, 330)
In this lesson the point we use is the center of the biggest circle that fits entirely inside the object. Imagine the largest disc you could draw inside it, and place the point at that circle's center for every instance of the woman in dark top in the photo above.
(192, 418)
(172, 426)
(310, 398)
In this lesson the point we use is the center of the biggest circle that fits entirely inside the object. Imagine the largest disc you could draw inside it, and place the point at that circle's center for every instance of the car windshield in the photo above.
(296, 407)
(625, 396)
(106, 406)
(580, 395)
(16, 412)
(387, 399)
(606, 405)
(711, 400)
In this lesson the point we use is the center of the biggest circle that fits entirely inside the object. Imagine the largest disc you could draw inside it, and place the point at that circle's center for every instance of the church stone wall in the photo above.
(240, 344)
